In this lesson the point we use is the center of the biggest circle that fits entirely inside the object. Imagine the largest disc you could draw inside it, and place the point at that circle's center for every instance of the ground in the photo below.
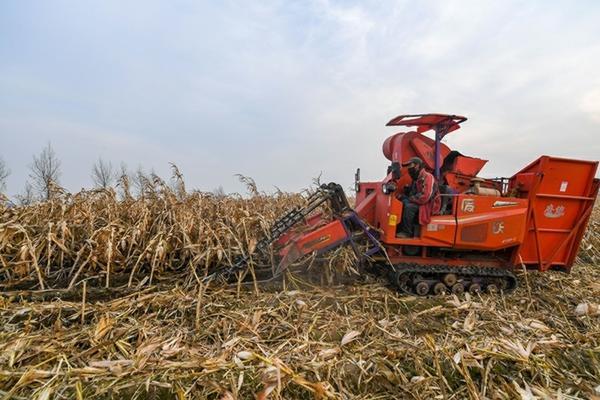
(360, 340)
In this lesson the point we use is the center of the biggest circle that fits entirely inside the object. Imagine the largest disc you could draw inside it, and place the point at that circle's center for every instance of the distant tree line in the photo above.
(45, 172)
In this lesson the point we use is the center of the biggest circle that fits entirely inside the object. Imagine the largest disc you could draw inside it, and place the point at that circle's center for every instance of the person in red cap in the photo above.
(422, 200)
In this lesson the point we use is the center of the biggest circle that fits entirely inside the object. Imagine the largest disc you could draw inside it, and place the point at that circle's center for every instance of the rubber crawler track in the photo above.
(407, 277)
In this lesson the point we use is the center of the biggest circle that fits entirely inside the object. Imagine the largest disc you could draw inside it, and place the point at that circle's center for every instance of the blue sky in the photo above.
(286, 90)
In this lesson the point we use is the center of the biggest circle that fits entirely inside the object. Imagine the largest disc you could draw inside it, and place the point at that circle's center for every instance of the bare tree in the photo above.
(139, 180)
(123, 170)
(219, 192)
(4, 173)
(103, 174)
(143, 182)
(27, 197)
(45, 172)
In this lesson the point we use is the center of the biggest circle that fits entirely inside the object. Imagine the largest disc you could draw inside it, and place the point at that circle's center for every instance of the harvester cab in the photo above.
(441, 124)
(484, 229)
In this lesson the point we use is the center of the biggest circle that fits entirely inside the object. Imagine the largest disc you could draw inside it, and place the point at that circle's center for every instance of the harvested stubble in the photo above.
(361, 341)
(188, 341)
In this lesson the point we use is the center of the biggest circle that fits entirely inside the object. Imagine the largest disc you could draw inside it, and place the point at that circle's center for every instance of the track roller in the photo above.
(450, 279)
(440, 288)
(422, 288)
(474, 288)
(458, 288)
(492, 288)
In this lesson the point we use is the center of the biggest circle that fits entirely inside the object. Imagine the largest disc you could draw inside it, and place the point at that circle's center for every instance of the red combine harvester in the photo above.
(485, 228)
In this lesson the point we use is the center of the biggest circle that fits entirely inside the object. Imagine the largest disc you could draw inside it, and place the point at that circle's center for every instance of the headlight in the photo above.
(389, 187)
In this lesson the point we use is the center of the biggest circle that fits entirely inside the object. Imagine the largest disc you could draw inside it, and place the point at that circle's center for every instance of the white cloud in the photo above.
(281, 90)
(590, 104)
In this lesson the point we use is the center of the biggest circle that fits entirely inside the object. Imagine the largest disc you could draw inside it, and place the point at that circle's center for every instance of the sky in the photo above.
(285, 91)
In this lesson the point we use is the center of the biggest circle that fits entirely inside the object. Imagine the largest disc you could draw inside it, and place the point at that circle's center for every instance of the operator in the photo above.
(421, 199)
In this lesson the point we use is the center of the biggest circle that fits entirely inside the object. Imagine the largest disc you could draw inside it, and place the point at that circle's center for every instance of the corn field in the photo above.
(93, 236)
(103, 298)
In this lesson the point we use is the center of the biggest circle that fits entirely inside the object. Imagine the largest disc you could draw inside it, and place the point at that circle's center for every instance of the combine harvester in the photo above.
(485, 229)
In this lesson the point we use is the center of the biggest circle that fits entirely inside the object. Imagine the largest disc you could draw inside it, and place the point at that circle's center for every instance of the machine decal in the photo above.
(554, 212)
(468, 205)
(563, 186)
(500, 203)
(317, 241)
(393, 220)
(498, 227)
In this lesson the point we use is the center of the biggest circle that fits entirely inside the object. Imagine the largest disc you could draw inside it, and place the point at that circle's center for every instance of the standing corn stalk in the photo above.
(94, 235)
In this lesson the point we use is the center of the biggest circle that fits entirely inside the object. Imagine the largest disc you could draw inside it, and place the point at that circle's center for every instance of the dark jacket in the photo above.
(426, 195)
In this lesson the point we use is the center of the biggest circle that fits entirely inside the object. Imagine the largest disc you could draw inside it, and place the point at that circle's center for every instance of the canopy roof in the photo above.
(443, 123)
